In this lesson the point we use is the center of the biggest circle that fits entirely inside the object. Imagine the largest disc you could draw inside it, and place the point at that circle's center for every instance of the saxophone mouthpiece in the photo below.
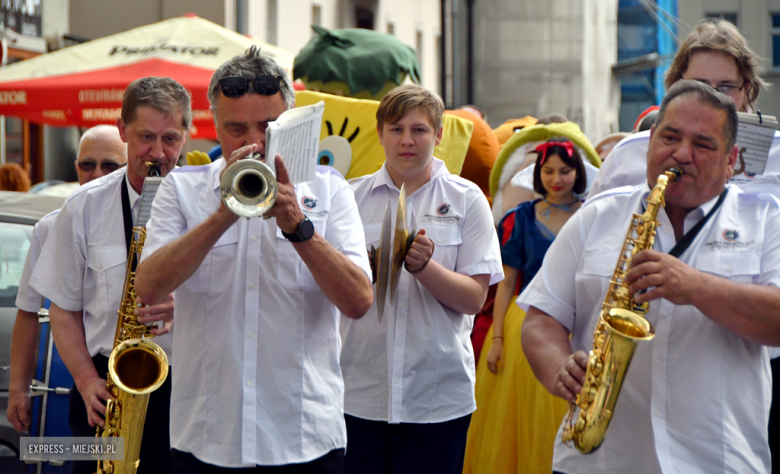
(154, 168)
(676, 172)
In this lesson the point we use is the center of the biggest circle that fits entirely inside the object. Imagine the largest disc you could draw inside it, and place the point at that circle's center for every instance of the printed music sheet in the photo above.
(754, 139)
(296, 136)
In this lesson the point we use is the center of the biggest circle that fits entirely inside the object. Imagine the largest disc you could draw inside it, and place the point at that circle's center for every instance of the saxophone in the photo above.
(620, 327)
(136, 368)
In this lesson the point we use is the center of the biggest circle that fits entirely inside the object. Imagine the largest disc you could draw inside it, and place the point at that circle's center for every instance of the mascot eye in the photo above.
(335, 151)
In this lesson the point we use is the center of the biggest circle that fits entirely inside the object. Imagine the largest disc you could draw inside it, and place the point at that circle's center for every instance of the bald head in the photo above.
(101, 151)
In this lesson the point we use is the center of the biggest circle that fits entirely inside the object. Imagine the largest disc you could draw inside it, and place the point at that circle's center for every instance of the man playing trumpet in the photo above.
(257, 301)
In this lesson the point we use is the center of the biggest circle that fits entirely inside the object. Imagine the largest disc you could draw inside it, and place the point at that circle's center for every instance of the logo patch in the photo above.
(309, 202)
(443, 209)
(730, 235)
(749, 174)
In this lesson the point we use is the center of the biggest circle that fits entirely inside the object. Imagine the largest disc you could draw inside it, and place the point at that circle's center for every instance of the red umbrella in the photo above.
(83, 85)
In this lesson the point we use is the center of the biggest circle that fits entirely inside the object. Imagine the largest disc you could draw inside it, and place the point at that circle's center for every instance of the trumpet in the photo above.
(248, 187)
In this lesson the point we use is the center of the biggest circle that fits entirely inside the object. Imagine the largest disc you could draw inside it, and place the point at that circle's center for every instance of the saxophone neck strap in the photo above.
(683, 244)
(127, 214)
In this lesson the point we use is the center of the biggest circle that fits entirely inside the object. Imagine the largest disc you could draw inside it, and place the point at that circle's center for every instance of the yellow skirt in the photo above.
(517, 419)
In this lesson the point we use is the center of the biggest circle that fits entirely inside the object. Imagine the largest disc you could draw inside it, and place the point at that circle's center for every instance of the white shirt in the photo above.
(27, 299)
(261, 383)
(626, 165)
(84, 260)
(696, 398)
(417, 366)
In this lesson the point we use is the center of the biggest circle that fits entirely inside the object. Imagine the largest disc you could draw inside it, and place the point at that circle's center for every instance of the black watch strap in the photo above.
(304, 232)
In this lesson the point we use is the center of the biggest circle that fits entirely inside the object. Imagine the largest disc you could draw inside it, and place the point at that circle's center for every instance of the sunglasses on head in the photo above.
(107, 166)
(263, 85)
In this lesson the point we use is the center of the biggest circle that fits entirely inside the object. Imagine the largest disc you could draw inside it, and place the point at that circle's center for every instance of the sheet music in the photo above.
(151, 185)
(754, 140)
(296, 136)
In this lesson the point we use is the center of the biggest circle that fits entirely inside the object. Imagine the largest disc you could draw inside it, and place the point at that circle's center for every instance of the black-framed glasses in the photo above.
(263, 85)
(88, 166)
(727, 89)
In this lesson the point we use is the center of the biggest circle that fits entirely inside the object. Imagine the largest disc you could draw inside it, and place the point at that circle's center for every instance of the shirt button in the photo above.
(251, 335)
(664, 314)
(728, 268)
(403, 306)
(397, 380)
(657, 413)
(254, 238)
(441, 240)
(252, 286)
(398, 344)
(248, 383)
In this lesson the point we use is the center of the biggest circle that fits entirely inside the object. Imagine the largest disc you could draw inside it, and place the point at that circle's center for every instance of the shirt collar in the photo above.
(700, 211)
(383, 178)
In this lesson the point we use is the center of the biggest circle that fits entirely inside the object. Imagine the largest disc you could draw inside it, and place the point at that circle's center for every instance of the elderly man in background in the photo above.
(101, 151)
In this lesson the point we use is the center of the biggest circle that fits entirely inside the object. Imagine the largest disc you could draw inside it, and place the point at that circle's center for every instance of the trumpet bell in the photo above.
(248, 188)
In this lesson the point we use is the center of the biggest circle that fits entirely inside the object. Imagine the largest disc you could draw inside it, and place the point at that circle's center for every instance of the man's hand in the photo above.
(419, 252)
(570, 376)
(286, 210)
(19, 410)
(672, 279)
(494, 355)
(158, 312)
(238, 154)
(94, 393)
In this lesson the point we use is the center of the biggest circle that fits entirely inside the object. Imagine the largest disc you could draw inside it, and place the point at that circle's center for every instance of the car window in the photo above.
(14, 243)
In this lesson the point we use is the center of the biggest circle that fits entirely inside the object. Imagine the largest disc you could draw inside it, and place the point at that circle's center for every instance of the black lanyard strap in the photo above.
(683, 244)
(127, 213)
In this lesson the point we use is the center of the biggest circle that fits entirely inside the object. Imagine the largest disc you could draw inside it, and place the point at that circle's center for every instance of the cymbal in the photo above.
(402, 240)
(383, 263)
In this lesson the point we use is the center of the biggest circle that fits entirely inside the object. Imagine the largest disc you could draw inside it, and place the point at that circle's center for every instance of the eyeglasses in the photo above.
(727, 89)
(107, 166)
(263, 85)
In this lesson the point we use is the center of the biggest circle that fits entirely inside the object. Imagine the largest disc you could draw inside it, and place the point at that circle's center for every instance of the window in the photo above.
(316, 15)
(270, 22)
(391, 27)
(364, 17)
(776, 40)
(14, 243)
(728, 16)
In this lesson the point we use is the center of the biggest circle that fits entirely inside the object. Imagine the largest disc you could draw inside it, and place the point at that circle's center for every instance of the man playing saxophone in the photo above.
(696, 398)
(257, 300)
(83, 264)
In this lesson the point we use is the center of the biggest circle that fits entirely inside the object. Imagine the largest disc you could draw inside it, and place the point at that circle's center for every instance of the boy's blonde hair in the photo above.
(399, 101)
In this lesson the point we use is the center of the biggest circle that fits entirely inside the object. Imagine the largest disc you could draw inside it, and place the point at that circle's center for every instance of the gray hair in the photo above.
(708, 96)
(250, 65)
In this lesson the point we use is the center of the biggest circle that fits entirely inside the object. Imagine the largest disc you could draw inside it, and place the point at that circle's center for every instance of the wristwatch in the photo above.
(304, 232)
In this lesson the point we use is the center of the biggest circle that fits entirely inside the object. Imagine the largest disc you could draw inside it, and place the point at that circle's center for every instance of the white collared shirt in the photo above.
(27, 299)
(261, 382)
(696, 398)
(417, 365)
(84, 260)
(626, 165)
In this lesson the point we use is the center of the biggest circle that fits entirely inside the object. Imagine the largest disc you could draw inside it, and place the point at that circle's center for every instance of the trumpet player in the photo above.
(696, 398)
(257, 300)
(83, 263)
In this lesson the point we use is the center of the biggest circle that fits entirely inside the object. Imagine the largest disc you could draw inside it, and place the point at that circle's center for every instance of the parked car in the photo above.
(18, 214)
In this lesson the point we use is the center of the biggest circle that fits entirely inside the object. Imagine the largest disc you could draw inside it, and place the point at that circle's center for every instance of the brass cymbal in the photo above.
(383, 263)
(402, 240)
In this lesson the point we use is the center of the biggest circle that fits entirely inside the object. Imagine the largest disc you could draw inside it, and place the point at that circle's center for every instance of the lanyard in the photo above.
(683, 244)
(127, 213)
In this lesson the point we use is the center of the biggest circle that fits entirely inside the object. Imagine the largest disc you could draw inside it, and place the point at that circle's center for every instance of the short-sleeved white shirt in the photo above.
(417, 365)
(696, 398)
(27, 299)
(84, 260)
(260, 381)
(626, 165)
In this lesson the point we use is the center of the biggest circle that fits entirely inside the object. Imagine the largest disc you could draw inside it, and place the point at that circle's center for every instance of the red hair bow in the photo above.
(542, 149)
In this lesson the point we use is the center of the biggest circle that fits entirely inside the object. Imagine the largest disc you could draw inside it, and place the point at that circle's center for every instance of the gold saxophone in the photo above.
(136, 368)
(621, 325)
